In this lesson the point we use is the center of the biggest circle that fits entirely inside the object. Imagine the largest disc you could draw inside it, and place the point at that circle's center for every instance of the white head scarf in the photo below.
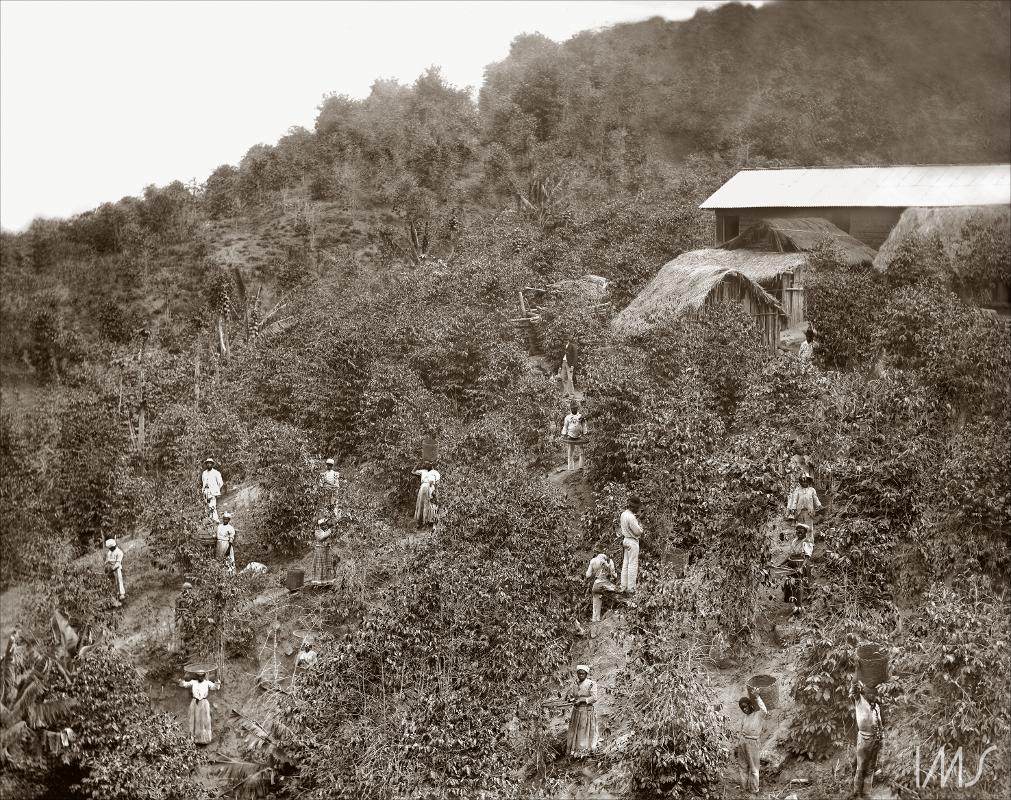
(583, 668)
(110, 543)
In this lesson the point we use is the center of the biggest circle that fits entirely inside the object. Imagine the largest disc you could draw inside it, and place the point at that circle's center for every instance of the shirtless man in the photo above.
(749, 748)
(868, 714)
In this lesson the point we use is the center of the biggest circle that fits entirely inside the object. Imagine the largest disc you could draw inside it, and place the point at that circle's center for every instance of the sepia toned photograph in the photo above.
(535, 400)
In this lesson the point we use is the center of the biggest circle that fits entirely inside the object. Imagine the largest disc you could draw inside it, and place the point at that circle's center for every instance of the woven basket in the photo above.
(766, 687)
(872, 663)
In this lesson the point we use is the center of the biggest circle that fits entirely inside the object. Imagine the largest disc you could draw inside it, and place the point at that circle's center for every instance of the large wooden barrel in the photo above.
(872, 664)
(295, 580)
(766, 687)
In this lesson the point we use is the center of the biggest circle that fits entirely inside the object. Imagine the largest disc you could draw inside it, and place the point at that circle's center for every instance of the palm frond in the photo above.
(49, 713)
(11, 738)
(249, 778)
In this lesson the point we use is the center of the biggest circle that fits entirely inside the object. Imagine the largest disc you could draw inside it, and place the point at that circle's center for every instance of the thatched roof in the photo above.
(945, 223)
(682, 285)
(802, 234)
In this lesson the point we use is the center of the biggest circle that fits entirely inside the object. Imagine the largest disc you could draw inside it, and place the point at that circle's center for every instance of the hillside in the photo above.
(352, 291)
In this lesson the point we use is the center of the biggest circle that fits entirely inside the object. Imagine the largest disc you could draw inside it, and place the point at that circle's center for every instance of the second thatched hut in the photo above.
(691, 281)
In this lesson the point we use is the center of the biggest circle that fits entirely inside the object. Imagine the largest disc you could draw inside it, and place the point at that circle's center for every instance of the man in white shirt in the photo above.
(806, 353)
(226, 542)
(114, 568)
(329, 482)
(631, 530)
(749, 747)
(211, 485)
(601, 571)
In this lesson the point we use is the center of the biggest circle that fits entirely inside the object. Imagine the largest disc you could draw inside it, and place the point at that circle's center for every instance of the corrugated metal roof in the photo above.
(892, 187)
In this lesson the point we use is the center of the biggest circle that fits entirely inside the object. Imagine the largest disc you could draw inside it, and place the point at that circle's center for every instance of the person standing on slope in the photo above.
(804, 504)
(583, 738)
(631, 531)
(211, 485)
(601, 571)
(424, 508)
(225, 537)
(200, 708)
(749, 748)
(868, 718)
(321, 569)
(329, 482)
(114, 569)
(573, 431)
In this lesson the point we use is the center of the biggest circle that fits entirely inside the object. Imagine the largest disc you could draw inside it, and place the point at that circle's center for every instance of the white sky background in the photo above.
(98, 100)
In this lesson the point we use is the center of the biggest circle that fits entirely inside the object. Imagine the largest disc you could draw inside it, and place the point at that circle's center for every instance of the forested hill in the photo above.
(353, 290)
(806, 82)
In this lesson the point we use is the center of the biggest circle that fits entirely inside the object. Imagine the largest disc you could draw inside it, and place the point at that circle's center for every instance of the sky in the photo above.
(99, 99)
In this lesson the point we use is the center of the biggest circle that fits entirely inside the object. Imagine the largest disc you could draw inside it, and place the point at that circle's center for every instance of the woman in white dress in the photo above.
(424, 508)
(200, 708)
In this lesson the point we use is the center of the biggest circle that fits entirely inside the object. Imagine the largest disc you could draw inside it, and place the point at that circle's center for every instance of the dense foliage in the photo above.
(352, 291)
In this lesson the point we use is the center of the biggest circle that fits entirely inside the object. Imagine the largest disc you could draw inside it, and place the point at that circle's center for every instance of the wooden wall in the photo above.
(869, 225)
(767, 318)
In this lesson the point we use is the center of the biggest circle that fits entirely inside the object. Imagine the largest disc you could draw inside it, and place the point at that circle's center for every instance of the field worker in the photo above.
(307, 654)
(804, 504)
(583, 738)
(180, 612)
(868, 716)
(114, 568)
(799, 573)
(568, 389)
(631, 530)
(321, 569)
(329, 482)
(424, 508)
(749, 747)
(806, 353)
(573, 430)
(200, 708)
(601, 571)
(212, 485)
(226, 542)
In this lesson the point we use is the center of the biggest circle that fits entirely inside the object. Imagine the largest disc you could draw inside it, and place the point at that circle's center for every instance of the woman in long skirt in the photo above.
(583, 738)
(424, 508)
(321, 569)
(200, 708)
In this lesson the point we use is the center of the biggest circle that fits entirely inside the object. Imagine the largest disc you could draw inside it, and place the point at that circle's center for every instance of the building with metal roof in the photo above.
(865, 202)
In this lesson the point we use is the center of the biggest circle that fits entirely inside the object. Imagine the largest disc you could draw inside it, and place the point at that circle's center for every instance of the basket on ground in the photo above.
(295, 579)
(766, 687)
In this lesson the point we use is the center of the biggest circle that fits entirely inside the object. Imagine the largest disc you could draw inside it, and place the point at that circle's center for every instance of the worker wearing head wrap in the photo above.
(329, 482)
(114, 568)
(583, 738)
(200, 708)
(804, 504)
(225, 537)
(749, 747)
(321, 569)
(631, 530)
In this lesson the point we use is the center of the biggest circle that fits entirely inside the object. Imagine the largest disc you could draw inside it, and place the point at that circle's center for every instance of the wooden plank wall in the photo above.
(766, 317)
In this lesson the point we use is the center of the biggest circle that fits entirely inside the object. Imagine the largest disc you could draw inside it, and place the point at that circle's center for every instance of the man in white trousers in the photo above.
(631, 530)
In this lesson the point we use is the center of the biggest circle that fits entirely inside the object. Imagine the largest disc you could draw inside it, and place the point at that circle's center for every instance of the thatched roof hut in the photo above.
(685, 285)
(801, 235)
(944, 223)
